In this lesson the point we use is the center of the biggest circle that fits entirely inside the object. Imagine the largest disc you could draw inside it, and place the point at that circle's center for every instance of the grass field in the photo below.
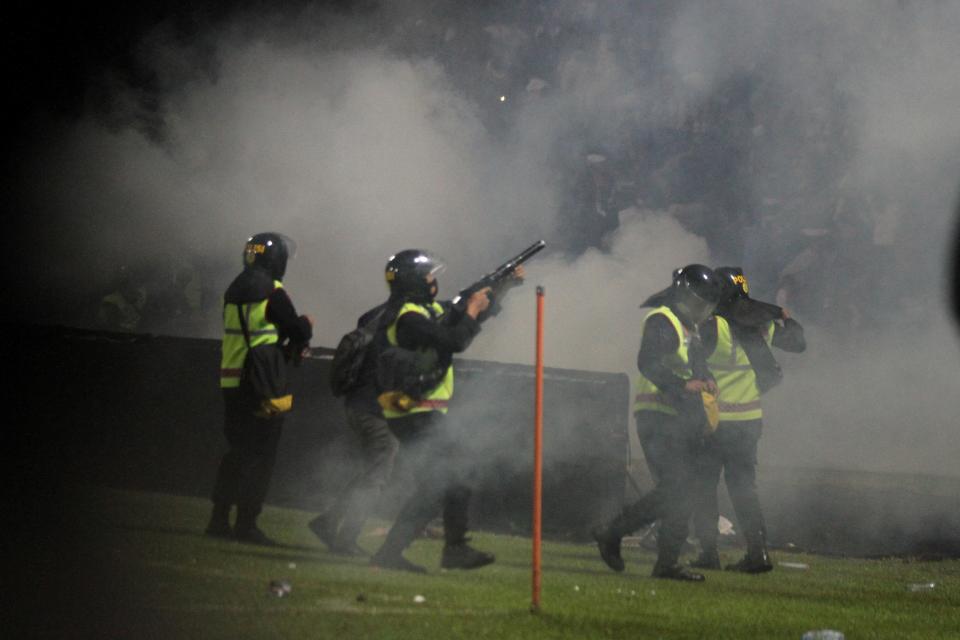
(138, 567)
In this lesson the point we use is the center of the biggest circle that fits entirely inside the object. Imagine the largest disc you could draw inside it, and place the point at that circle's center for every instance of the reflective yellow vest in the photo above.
(234, 348)
(739, 396)
(648, 396)
(439, 397)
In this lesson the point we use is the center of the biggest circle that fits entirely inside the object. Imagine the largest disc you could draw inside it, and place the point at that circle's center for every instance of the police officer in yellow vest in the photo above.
(670, 416)
(269, 317)
(738, 339)
(421, 323)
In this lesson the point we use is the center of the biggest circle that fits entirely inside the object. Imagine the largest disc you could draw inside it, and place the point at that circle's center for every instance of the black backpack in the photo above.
(264, 376)
(349, 356)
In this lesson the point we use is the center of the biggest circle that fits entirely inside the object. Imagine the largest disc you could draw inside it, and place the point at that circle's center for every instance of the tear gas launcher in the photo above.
(497, 279)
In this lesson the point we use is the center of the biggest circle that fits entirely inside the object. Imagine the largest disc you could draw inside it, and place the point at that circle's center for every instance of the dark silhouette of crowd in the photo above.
(759, 171)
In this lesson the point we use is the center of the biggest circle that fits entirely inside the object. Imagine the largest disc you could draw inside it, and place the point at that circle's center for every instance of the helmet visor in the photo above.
(289, 244)
(429, 265)
(694, 307)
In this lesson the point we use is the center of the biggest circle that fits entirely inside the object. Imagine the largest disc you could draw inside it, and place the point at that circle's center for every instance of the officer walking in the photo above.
(420, 323)
(268, 317)
(340, 526)
(738, 339)
(670, 416)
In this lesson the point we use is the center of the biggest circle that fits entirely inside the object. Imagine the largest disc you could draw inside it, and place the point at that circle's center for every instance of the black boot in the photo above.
(460, 555)
(324, 526)
(219, 525)
(390, 555)
(676, 572)
(386, 559)
(756, 560)
(252, 534)
(708, 559)
(609, 544)
(351, 525)
(246, 529)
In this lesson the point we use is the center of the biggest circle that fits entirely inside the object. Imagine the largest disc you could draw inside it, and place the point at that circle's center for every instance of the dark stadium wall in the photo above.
(144, 412)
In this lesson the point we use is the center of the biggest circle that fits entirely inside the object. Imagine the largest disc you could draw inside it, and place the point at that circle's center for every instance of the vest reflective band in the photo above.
(234, 348)
(648, 396)
(439, 396)
(739, 398)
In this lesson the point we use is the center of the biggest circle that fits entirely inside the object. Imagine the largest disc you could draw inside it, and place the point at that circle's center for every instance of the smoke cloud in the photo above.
(356, 138)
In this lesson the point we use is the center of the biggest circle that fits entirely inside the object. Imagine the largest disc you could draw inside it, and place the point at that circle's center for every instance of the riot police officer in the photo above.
(420, 324)
(340, 525)
(670, 418)
(257, 311)
(738, 339)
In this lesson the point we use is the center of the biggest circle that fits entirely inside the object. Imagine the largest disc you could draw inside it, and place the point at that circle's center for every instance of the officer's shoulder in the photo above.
(250, 285)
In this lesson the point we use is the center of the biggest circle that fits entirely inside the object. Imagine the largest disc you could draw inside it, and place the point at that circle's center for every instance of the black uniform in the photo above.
(431, 451)
(732, 449)
(340, 525)
(245, 470)
(670, 445)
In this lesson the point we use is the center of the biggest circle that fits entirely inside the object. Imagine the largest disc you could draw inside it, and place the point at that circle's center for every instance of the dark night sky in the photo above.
(54, 57)
(51, 53)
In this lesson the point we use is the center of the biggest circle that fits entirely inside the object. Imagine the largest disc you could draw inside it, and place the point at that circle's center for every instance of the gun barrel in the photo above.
(525, 255)
(500, 273)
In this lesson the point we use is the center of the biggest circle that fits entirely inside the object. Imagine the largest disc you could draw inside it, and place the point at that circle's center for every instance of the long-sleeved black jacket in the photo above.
(660, 339)
(253, 285)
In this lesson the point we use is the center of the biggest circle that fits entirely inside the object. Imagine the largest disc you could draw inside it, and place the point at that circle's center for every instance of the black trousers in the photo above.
(378, 448)
(243, 477)
(732, 449)
(670, 447)
(440, 474)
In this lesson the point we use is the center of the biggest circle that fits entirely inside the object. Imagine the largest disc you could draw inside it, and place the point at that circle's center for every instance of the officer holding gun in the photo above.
(423, 326)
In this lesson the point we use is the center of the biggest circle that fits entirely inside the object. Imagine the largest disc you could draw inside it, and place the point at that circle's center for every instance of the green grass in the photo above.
(163, 579)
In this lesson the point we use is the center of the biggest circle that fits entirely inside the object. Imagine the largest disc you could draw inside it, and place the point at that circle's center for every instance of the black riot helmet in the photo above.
(406, 274)
(269, 251)
(695, 292)
(736, 303)
(733, 284)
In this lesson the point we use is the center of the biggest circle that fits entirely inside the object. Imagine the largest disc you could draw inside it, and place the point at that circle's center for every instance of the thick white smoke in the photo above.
(358, 151)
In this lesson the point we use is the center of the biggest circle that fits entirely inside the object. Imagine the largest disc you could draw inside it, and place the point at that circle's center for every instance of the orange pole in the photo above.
(537, 454)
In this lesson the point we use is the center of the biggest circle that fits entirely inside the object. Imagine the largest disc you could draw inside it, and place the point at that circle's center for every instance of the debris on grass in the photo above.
(823, 634)
(794, 565)
(419, 599)
(280, 588)
(725, 527)
(921, 586)
(361, 597)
